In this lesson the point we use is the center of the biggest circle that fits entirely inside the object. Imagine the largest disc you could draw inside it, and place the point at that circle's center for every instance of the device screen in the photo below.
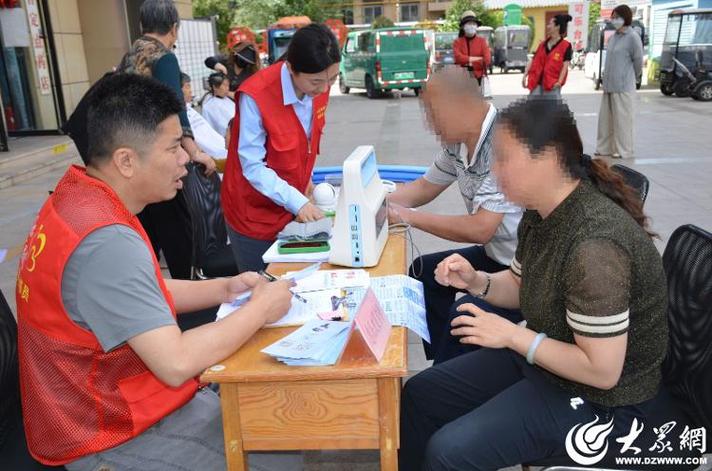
(369, 169)
(381, 216)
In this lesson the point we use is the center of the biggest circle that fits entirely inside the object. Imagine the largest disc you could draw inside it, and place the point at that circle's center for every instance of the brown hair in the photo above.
(239, 47)
(542, 123)
(624, 12)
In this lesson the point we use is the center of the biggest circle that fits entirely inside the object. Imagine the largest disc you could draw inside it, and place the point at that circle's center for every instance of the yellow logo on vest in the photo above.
(320, 112)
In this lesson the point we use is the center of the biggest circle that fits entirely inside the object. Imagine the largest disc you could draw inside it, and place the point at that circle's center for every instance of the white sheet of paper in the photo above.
(329, 279)
(300, 312)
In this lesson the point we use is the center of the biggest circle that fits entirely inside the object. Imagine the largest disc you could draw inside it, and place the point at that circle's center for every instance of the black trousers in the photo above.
(168, 225)
(489, 409)
(247, 251)
(439, 299)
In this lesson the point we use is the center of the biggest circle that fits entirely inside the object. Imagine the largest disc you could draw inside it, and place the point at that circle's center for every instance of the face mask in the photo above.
(470, 30)
(617, 23)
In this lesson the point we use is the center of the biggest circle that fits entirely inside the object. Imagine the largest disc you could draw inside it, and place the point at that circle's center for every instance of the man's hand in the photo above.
(220, 68)
(396, 213)
(524, 80)
(309, 213)
(456, 271)
(237, 285)
(477, 327)
(272, 299)
(207, 161)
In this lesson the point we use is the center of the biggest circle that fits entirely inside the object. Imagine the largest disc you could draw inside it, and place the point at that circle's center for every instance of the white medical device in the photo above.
(361, 222)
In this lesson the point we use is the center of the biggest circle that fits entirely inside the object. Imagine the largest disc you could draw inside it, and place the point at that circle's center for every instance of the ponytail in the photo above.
(612, 184)
(542, 123)
(214, 80)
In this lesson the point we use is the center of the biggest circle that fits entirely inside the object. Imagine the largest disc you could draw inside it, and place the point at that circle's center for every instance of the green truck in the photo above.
(384, 59)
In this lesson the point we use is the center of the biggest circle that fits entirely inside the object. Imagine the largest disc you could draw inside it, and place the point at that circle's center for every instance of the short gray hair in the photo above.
(158, 16)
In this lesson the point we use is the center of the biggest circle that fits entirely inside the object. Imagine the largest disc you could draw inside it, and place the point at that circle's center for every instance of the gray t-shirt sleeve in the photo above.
(109, 287)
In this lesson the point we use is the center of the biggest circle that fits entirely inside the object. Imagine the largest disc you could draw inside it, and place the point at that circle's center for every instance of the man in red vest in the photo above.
(546, 73)
(106, 375)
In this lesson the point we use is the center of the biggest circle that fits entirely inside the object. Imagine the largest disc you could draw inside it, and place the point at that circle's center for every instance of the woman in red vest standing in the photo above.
(546, 72)
(275, 139)
(470, 50)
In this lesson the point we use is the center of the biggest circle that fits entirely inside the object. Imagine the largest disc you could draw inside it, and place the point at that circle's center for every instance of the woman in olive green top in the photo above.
(591, 286)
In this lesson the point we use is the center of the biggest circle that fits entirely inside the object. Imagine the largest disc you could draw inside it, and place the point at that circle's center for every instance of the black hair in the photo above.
(158, 16)
(124, 110)
(214, 80)
(562, 21)
(624, 12)
(313, 49)
(554, 126)
(184, 78)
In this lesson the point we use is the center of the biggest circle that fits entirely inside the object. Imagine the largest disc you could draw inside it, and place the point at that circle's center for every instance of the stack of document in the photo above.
(323, 291)
(316, 343)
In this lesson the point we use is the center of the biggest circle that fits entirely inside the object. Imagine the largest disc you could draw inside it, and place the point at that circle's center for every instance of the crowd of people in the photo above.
(559, 295)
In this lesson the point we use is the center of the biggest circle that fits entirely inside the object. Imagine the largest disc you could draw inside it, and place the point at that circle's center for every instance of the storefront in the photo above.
(52, 50)
(28, 69)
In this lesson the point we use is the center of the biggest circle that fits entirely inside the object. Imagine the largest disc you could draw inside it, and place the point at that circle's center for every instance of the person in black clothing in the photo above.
(167, 223)
(242, 62)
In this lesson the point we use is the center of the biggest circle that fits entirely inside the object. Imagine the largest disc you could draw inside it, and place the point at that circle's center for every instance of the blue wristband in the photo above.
(535, 344)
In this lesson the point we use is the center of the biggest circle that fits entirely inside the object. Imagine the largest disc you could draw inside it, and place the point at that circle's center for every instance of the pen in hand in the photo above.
(271, 277)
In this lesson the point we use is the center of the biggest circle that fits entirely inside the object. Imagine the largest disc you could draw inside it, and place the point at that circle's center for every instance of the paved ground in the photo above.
(672, 148)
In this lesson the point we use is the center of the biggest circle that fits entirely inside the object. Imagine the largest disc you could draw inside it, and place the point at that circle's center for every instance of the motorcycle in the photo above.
(578, 60)
(697, 84)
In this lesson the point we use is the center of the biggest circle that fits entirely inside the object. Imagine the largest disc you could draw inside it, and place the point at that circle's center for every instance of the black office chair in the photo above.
(212, 256)
(687, 369)
(634, 179)
(14, 455)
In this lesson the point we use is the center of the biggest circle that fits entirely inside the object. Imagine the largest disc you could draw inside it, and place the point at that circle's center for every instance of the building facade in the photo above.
(52, 50)
(539, 13)
(398, 11)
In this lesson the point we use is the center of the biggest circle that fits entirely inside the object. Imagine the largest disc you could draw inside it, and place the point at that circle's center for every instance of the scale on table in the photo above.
(361, 221)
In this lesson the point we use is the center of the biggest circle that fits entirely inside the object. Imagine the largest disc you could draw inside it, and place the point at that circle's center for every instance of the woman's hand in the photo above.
(455, 271)
(207, 161)
(220, 68)
(478, 327)
(309, 213)
(237, 285)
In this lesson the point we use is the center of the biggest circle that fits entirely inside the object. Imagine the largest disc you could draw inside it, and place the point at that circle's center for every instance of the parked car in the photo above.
(487, 32)
(443, 49)
(384, 59)
(511, 44)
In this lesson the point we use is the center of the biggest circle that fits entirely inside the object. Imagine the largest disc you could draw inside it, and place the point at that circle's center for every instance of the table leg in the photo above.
(388, 412)
(234, 453)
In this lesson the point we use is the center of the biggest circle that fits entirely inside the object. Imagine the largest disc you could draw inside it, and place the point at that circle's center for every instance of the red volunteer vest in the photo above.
(289, 153)
(545, 68)
(77, 399)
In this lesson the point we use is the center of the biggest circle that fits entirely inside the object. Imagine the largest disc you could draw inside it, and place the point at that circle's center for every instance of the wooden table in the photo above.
(355, 404)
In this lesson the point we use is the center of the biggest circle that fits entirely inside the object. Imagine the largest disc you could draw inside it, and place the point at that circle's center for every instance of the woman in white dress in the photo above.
(218, 108)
